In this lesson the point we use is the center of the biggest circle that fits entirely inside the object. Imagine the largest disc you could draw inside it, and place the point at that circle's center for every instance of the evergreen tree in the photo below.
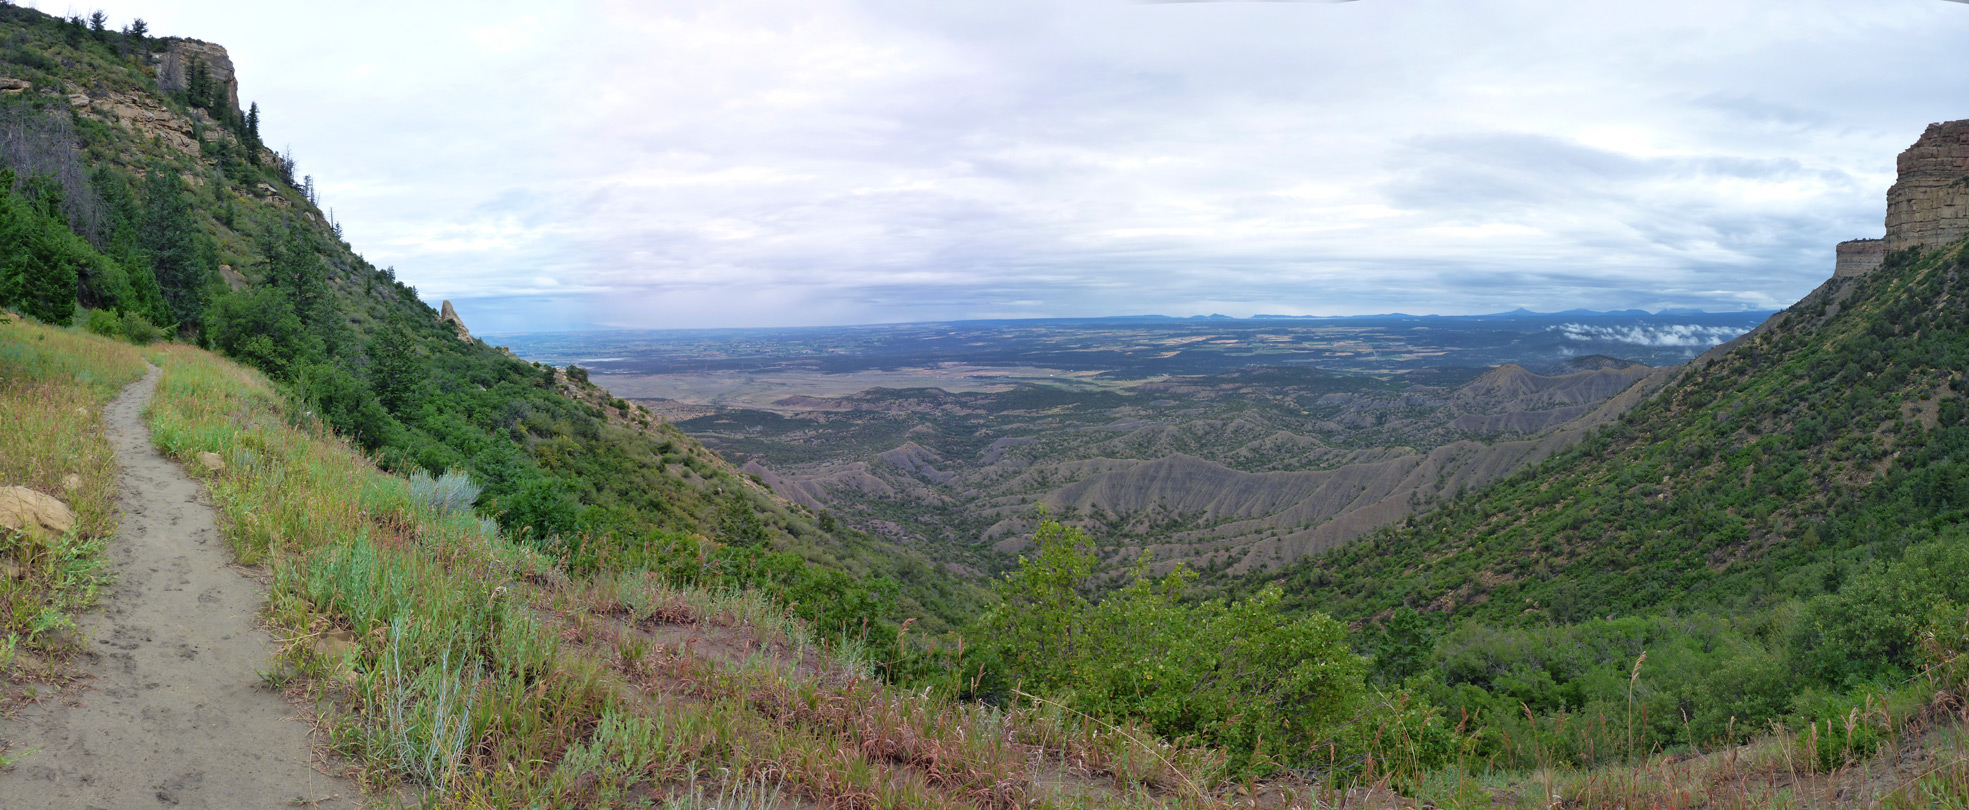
(180, 255)
(99, 25)
(39, 282)
(251, 135)
(292, 265)
(37, 274)
(137, 33)
(396, 373)
(146, 296)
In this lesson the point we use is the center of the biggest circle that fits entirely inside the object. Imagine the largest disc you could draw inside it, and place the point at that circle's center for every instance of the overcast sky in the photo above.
(736, 163)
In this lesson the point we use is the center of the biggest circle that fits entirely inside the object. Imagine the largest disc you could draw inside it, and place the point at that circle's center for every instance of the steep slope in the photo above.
(140, 194)
(1777, 468)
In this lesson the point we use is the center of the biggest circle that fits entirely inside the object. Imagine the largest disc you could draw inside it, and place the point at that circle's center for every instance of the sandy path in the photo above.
(175, 716)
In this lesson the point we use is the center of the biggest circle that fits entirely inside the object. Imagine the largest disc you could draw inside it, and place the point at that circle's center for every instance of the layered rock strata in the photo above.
(1929, 204)
(1858, 257)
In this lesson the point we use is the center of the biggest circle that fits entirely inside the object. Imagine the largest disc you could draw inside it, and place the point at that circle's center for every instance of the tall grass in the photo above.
(53, 386)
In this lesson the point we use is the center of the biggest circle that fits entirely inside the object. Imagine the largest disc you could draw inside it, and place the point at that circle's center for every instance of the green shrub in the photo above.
(1272, 691)
(445, 494)
(138, 329)
(104, 322)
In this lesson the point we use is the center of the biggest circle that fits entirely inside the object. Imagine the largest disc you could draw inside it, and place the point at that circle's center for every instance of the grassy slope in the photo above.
(53, 385)
(474, 667)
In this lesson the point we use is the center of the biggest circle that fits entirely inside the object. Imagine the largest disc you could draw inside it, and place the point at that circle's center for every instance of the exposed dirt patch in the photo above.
(174, 715)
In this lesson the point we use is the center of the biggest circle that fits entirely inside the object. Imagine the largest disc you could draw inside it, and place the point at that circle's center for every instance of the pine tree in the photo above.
(395, 370)
(180, 256)
(99, 25)
(138, 33)
(40, 281)
(36, 274)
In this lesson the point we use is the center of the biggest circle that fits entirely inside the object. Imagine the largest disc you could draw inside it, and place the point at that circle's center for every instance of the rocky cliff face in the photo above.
(174, 67)
(1929, 204)
(1858, 257)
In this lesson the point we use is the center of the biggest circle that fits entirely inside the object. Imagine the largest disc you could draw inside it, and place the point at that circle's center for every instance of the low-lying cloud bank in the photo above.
(1665, 336)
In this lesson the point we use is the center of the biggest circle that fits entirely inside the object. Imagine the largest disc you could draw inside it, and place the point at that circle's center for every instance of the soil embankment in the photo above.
(175, 715)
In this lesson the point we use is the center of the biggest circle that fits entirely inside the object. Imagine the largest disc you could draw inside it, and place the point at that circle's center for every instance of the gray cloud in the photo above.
(761, 162)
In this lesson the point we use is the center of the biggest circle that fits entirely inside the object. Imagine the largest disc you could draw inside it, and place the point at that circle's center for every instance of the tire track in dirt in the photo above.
(175, 715)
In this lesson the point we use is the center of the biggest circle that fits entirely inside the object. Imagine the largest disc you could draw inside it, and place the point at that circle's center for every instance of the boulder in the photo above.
(212, 462)
(335, 645)
(23, 509)
(12, 86)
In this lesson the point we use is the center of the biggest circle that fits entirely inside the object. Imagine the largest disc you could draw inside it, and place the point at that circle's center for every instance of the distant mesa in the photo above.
(1927, 206)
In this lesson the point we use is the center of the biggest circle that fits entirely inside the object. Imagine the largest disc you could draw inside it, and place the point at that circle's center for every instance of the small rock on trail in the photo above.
(175, 715)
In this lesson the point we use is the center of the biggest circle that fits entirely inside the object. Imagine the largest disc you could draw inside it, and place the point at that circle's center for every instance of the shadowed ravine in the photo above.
(175, 715)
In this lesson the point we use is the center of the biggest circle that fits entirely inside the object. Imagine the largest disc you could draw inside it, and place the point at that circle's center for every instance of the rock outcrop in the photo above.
(174, 67)
(1929, 203)
(1858, 257)
(143, 114)
(25, 510)
(450, 316)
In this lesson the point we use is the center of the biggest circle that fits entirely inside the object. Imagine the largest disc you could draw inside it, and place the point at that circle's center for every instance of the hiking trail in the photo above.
(175, 715)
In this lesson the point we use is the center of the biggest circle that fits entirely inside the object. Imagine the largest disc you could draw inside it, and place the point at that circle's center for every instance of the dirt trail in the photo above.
(175, 716)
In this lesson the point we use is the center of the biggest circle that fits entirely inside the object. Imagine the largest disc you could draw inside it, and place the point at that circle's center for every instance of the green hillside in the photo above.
(1778, 527)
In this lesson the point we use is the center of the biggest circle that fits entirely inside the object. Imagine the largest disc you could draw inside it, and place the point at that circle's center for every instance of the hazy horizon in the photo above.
(1664, 313)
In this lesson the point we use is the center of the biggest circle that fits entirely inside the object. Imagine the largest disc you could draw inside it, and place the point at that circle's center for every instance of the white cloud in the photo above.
(1659, 336)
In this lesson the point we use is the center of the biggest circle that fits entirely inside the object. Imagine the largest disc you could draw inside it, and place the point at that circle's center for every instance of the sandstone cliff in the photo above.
(174, 67)
(1858, 257)
(1928, 205)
